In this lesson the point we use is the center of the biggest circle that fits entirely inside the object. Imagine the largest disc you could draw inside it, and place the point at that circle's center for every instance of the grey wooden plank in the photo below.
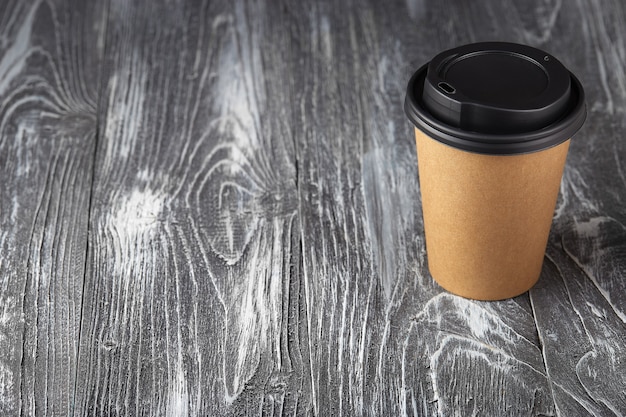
(192, 291)
(384, 339)
(48, 87)
(579, 303)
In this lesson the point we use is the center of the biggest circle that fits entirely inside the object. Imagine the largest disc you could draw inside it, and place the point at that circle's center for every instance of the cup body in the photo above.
(487, 217)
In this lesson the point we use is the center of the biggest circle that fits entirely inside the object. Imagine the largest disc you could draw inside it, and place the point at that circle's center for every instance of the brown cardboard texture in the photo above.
(487, 217)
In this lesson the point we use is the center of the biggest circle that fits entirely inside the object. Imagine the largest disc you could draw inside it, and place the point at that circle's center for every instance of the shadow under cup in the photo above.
(493, 126)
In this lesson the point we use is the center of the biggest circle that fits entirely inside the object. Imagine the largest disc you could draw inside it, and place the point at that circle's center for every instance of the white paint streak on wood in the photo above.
(592, 232)
(178, 401)
(584, 345)
(14, 58)
(544, 18)
(468, 338)
(136, 214)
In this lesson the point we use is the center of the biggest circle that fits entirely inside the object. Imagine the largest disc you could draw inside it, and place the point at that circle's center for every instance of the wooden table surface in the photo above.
(212, 209)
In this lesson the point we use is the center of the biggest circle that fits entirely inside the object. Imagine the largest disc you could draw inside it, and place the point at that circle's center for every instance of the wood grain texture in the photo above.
(191, 299)
(212, 208)
(48, 91)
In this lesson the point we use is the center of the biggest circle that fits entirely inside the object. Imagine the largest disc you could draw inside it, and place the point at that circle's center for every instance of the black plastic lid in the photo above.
(496, 98)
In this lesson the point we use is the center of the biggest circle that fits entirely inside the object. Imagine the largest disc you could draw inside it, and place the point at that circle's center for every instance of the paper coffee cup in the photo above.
(493, 126)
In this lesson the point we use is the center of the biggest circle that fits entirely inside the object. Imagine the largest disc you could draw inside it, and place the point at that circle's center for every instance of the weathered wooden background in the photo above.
(211, 208)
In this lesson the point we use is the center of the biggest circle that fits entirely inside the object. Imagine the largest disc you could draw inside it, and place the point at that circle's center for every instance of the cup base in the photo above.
(491, 294)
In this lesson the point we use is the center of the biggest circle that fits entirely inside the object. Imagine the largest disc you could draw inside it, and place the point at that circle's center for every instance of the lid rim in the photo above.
(489, 143)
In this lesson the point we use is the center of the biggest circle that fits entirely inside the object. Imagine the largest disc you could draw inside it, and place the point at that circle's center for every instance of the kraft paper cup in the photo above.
(493, 126)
